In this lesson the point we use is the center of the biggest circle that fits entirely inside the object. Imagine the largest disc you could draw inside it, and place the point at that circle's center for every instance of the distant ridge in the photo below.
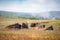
(24, 15)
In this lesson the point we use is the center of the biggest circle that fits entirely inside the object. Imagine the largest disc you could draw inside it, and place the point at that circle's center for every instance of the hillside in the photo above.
(24, 15)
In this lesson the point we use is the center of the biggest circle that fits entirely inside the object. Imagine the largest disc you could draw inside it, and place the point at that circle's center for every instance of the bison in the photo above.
(49, 28)
(25, 25)
(37, 25)
(33, 24)
(15, 26)
(40, 25)
(43, 26)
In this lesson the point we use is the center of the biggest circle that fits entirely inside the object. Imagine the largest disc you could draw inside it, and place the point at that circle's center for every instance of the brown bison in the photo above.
(24, 25)
(15, 26)
(49, 28)
(37, 25)
(42, 26)
(33, 24)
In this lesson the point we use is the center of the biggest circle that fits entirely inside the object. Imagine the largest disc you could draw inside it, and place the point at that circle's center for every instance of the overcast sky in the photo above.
(33, 6)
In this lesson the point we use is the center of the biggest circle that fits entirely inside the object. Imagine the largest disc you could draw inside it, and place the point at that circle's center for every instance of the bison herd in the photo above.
(25, 26)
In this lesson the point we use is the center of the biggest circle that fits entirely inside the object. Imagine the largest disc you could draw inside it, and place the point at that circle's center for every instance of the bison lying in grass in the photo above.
(37, 25)
(33, 24)
(14, 26)
(18, 26)
(41, 26)
(25, 26)
(49, 28)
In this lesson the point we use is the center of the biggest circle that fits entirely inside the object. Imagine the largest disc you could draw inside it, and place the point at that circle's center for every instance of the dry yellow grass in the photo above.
(29, 34)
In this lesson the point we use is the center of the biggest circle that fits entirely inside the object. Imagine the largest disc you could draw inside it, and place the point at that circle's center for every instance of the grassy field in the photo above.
(29, 34)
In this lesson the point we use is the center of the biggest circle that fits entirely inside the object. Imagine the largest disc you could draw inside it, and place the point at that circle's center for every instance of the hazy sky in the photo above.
(33, 6)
